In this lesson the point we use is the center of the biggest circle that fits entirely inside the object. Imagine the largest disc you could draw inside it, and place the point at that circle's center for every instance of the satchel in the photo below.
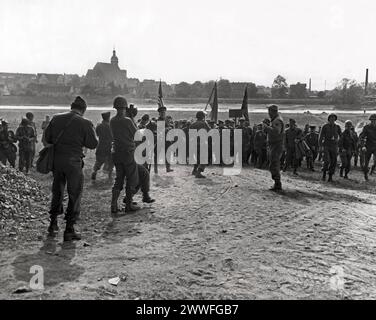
(45, 162)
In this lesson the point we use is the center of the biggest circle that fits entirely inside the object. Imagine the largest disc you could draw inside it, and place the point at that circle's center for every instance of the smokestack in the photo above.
(310, 85)
(366, 84)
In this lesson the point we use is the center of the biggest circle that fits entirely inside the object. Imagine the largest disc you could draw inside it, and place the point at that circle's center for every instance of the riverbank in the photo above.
(103, 101)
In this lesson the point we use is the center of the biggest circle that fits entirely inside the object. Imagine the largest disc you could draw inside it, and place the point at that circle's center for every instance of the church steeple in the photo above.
(114, 59)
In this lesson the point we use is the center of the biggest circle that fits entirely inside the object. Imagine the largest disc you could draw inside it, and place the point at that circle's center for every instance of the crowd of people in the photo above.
(271, 144)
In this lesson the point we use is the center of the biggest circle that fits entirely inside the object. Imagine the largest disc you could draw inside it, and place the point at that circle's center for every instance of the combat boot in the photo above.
(70, 234)
(366, 176)
(341, 173)
(295, 172)
(53, 228)
(346, 176)
(130, 206)
(146, 198)
(330, 179)
(323, 176)
(277, 186)
(114, 201)
(94, 175)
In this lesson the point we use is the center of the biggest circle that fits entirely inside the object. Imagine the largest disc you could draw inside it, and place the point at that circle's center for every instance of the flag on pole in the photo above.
(214, 105)
(245, 104)
(160, 96)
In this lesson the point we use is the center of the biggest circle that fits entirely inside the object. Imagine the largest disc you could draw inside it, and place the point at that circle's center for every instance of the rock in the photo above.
(114, 281)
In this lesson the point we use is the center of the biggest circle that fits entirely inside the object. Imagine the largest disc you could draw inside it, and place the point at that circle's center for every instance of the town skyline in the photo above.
(247, 41)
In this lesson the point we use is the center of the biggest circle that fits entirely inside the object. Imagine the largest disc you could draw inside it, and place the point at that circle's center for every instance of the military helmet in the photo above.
(200, 115)
(372, 117)
(120, 103)
(333, 115)
(348, 122)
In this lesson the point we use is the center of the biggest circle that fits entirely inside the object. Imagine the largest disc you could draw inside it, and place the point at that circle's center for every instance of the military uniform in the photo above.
(260, 148)
(312, 140)
(291, 135)
(329, 137)
(275, 137)
(68, 161)
(347, 147)
(103, 151)
(8, 151)
(199, 167)
(25, 135)
(368, 140)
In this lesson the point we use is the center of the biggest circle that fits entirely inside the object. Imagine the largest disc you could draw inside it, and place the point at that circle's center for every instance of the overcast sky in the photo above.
(240, 40)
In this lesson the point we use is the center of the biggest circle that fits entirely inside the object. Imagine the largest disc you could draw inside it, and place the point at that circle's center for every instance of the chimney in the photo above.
(366, 83)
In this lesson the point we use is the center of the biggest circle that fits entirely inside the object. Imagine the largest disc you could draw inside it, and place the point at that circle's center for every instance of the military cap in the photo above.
(292, 120)
(106, 115)
(333, 115)
(162, 108)
(273, 107)
(78, 103)
(372, 117)
(145, 117)
(120, 102)
(200, 115)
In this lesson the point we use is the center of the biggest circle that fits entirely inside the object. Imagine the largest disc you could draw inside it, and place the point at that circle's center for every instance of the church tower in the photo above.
(114, 59)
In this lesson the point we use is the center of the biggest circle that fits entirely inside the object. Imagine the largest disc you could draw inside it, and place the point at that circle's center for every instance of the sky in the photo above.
(174, 40)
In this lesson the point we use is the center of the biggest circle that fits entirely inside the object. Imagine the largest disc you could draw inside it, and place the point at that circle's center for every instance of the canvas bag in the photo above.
(45, 160)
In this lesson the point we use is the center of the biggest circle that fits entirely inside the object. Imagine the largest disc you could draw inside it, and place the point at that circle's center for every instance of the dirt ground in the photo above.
(225, 237)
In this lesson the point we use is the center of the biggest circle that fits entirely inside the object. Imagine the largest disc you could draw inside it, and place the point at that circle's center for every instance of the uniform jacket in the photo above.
(79, 134)
(329, 135)
(25, 136)
(368, 137)
(103, 132)
(275, 132)
(347, 141)
(290, 135)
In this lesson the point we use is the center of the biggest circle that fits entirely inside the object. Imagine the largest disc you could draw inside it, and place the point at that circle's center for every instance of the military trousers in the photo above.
(126, 168)
(367, 158)
(68, 172)
(346, 160)
(275, 153)
(330, 156)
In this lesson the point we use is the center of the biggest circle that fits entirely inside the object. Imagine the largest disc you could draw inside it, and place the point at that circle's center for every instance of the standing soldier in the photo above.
(347, 147)
(328, 142)
(26, 136)
(368, 142)
(312, 140)
(259, 144)
(293, 135)
(168, 125)
(103, 151)
(275, 133)
(73, 133)
(123, 130)
(199, 167)
(30, 117)
(8, 151)
(356, 151)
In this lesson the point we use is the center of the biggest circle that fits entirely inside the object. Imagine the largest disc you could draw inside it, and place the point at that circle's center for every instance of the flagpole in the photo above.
(209, 98)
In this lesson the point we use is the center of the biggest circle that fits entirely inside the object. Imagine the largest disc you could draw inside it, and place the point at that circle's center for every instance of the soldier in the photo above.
(368, 142)
(356, 151)
(347, 147)
(328, 142)
(199, 167)
(293, 135)
(275, 133)
(167, 119)
(144, 121)
(26, 136)
(260, 146)
(8, 151)
(312, 140)
(30, 117)
(73, 133)
(103, 151)
(123, 130)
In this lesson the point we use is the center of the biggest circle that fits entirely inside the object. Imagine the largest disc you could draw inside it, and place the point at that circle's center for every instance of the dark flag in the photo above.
(160, 95)
(214, 105)
(245, 104)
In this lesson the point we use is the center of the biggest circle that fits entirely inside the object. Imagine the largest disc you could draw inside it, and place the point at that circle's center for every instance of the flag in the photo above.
(214, 105)
(245, 104)
(160, 95)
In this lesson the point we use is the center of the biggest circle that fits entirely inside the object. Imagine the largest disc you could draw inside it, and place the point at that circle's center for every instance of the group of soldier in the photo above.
(26, 137)
(271, 143)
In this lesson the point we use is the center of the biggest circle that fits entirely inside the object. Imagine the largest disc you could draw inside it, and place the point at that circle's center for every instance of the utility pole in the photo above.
(366, 84)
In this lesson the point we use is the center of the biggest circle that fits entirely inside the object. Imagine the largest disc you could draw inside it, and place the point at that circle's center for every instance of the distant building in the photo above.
(103, 74)
(4, 90)
(264, 92)
(16, 83)
(298, 91)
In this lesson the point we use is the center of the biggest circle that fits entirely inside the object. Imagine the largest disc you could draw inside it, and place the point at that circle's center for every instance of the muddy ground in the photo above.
(225, 237)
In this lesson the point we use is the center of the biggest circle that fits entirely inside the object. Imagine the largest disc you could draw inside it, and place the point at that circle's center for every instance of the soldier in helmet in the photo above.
(30, 117)
(103, 151)
(328, 142)
(275, 134)
(123, 130)
(168, 126)
(368, 142)
(199, 124)
(312, 140)
(25, 135)
(347, 147)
